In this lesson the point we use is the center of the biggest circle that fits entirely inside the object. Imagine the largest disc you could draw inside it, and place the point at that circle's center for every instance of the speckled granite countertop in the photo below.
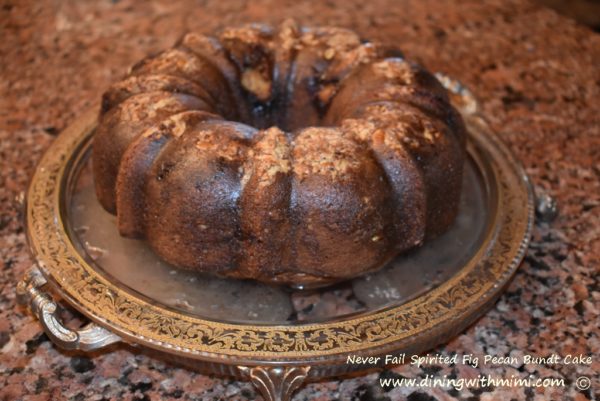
(536, 74)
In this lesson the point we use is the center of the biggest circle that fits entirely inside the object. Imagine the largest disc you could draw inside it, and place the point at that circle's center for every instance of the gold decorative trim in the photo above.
(136, 320)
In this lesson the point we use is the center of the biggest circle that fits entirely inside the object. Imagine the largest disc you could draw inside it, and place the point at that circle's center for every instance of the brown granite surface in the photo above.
(538, 78)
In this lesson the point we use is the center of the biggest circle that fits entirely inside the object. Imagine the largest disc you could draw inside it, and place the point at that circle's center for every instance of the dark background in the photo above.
(586, 12)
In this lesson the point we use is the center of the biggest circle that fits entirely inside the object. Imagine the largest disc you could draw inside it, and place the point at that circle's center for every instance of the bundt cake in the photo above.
(288, 155)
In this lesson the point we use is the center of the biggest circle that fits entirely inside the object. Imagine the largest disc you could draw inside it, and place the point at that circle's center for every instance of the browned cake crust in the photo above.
(291, 155)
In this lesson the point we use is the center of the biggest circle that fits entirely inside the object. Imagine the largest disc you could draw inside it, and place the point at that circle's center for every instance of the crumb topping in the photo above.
(177, 125)
(247, 34)
(195, 41)
(360, 129)
(308, 38)
(173, 60)
(393, 125)
(174, 126)
(408, 126)
(213, 142)
(288, 34)
(148, 105)
(342, 39)
(269, 157)
(374, 133)
(399, 71)
(324, 151)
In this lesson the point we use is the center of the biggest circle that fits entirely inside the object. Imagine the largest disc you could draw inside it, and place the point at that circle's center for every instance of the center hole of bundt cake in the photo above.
(265, 104)
(275, 112)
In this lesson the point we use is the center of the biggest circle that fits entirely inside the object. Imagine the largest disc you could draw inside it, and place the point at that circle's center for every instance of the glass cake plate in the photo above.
(276, 337)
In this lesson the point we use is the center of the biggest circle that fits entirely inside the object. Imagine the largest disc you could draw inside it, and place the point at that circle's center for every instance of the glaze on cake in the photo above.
(289, 155)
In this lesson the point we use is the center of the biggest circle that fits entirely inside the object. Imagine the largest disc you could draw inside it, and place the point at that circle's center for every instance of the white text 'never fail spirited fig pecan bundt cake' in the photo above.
(288, 155)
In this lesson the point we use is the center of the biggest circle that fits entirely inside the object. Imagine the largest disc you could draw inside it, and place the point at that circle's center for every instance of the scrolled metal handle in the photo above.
(88, 338)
